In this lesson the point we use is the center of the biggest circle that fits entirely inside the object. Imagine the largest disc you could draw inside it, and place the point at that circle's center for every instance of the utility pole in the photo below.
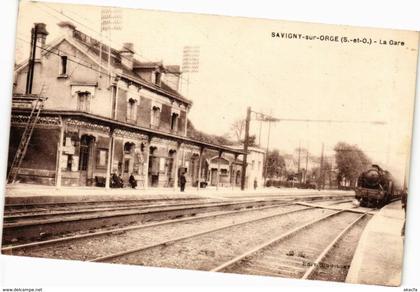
(329, 175)
(321, 170)
(259, 134)
(298, 167)
(306, 166)
(266, 152)
(244, 165)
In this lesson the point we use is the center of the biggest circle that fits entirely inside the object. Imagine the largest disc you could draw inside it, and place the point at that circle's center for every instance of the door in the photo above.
(213, 181)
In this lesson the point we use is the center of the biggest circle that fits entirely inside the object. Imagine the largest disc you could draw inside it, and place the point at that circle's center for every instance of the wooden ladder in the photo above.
(37, 105)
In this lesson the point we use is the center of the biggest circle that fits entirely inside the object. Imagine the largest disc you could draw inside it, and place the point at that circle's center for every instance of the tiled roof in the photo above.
(92, 46)
(138, 64)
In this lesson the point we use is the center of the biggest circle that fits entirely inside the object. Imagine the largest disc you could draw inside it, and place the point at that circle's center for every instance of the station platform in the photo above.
(378, 258)
(27, 194)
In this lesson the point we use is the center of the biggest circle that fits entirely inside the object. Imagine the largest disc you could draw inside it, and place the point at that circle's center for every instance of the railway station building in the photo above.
(127, 117)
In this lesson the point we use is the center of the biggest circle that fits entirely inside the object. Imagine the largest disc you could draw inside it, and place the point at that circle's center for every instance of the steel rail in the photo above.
(136, 227)
(90, 207)
(324, 253)
(174, 240)
(329, 207)
(340, 202)
(90, 202)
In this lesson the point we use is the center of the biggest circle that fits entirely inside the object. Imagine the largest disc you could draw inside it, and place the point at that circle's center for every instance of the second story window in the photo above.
(174, 122)
(129, 148)
(158, 77)
(155, 116)
(83, 101)
(131, 110)
(63, 65)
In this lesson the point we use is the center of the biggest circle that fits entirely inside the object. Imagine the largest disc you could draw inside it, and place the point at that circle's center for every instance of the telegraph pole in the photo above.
(266, 152)
(321, 169)
(259, 134)
(244, 164)
(306, 166)
(298, 166)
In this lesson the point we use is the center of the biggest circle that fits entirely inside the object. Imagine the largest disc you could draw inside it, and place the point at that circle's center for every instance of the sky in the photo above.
(354, 86)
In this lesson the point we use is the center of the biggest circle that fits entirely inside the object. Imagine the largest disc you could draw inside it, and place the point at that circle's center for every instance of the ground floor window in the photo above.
(101, 158)
(69, 162)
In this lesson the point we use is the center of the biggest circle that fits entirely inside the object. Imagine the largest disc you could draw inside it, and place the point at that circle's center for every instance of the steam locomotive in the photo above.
(376, 188)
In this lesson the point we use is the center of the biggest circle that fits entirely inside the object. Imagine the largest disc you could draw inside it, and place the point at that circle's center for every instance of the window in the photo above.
(174, 122)
(101, 158)
(155, 116)
(83, 101)
(158, 77)
(131, 110)
(253, 164)
(69, 163)
(128, 148)
(63, 65)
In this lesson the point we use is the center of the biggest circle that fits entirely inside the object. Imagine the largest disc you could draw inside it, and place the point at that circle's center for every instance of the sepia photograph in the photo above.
(211, 143)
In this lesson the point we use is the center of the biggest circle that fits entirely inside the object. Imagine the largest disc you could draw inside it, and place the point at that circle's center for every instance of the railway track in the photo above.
(218, 246)
(29, 226)
(287, 258)
(13, 247)
(16, 210)
(30, 216)
(299, 253)
(141, 255)
(69, 240)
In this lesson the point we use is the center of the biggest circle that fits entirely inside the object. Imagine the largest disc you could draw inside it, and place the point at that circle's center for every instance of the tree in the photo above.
(251, 141)
(237, 128)
(275, 164)
(320, 177)
(192, 132)
(351, 161)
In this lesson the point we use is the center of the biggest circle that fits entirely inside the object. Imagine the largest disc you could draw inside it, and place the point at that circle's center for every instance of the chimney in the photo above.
(127, 55)
(41, 36)
(67, 28)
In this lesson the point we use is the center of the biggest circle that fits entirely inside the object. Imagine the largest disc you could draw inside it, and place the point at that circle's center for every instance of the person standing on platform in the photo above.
(132, 181)
(182, 181)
